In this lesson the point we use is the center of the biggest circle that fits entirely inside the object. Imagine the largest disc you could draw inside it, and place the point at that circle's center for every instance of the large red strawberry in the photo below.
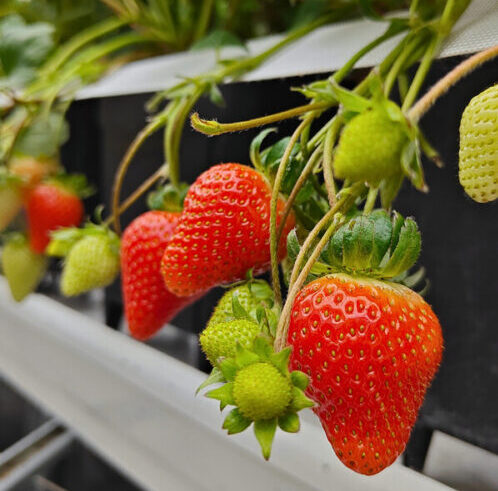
(223, 231)
(50, 206)
(370, 347)
(148, 303)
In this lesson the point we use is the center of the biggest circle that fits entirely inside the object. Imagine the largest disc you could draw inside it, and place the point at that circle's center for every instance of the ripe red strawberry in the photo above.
(148, 303)
(50, 206)
(371, 349)
(223, 231)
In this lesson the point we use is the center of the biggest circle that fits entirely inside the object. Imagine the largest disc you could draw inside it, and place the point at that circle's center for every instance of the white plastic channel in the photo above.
(324, 50)
(136, 407)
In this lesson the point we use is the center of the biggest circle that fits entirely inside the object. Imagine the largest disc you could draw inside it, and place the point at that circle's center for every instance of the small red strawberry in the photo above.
(371, 348)
(148, 303)
(223, 231)
(50, 206)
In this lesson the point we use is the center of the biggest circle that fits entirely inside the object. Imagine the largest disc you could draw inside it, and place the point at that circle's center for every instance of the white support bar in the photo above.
(323, 50)
(136, 407)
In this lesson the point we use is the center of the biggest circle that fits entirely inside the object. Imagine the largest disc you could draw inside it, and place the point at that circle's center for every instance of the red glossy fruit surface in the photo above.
(49, 207)
(148, 303)
(371, 350)
(223, 231)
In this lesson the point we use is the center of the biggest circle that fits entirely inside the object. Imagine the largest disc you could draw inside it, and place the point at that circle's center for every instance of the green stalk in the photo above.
(273, 206)
(328, 174)
(204, 18)
(78, 41)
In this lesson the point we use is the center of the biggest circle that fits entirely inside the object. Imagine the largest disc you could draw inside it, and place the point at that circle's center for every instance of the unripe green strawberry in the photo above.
(478, 165)
(93, 262)
(261, 391)
(370, 147)
(220, 339)
(22, 267)
(223, 311)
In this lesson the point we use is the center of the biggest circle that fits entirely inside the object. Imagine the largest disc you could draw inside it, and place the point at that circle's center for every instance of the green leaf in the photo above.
(299, 379)
(218, 39)
(216, 96)
(244, 357)
(397, 222)
(262, 348)
(358, 243)
(224, 394)
(350, 100)
(272, 318)
(261, 290)
(299, 400)
(389, 189)
(168, 197)
(289, 422)
(254, 149)
(264, 430)
(382, 236)
(412, 165)
(239, 312)
(43, 137)
(293, 246)
(407, 250)
(281, 360)
(23, 47)
(228, 369)
(235, 422)
(214, 377)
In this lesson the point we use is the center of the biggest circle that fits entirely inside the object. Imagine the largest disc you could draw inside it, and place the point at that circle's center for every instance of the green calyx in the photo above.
(251, 300)
(73, 183)
(168, 197)
(62, 240)
(375, 245)
(258, 383)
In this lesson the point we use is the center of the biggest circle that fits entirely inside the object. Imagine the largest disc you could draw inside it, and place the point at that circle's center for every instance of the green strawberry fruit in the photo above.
(478, 165)
(257, 381)
(22, 267)
(261, 391)
(219, 339)
(223, 312)
(370, 147)
(93, 262)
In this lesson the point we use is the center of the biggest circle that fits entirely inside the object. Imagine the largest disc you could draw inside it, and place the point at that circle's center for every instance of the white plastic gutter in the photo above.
(324, 50)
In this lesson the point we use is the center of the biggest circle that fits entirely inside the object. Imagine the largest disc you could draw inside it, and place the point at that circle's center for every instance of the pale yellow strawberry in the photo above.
(478, 166)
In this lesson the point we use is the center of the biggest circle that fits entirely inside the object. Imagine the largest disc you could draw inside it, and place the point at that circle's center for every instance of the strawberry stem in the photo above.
(274, 202)
(139, 140)
(450, 79)
(328, 173)
(307, 170)
(297, 280)
(213, 128)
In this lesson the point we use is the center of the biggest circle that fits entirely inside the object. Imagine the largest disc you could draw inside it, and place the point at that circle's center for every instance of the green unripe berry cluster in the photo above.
(220, 339)
(370, 148)
(261, 392)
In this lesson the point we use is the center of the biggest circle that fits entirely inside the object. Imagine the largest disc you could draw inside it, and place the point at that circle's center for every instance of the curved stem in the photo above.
(305, 173)
(161, 173)
(450, 79)
(174, 132)
(274, 203)
(421, 73)
(342, 205)
(153, 126)
(204, 17)
(212, 128)
(328, 147)
(371, 199)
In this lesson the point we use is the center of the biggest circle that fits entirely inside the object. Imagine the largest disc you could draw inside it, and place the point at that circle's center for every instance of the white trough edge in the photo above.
(324, 50)
(136, 407)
